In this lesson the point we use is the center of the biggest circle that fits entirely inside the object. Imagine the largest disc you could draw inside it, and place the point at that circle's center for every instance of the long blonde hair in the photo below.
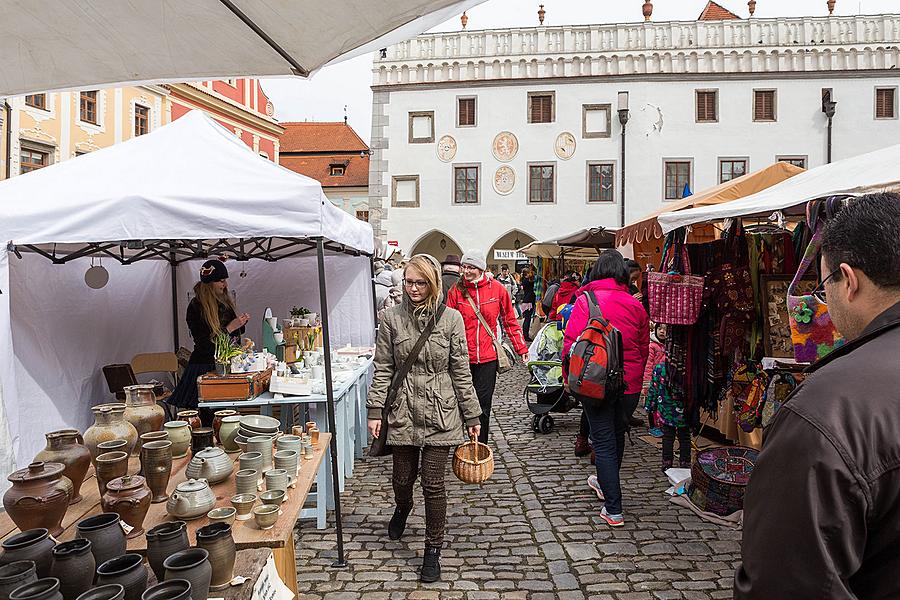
(209, 305)
(430, 271)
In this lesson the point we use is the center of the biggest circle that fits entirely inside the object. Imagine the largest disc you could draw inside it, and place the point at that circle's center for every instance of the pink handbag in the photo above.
(675, 297)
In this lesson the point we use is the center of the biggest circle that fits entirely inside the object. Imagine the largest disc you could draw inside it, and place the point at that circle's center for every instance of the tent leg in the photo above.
(173, 271)
(340, 563)
(374, 296)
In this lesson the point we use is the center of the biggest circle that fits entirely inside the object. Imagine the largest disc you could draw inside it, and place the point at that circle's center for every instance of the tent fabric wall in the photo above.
(7, 373)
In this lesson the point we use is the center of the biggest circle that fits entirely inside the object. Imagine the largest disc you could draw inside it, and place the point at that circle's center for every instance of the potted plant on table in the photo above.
(299, 314)
(225, 350)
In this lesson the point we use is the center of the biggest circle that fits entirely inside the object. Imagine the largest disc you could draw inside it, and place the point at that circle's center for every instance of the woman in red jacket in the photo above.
(493, 301)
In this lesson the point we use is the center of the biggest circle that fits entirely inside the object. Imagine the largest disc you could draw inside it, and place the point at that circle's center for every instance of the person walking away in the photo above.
(529, 300)
(568, 287)
(434, 407)
(475, 292)
(449, 274)
(821, 511)
(605, 421)
(657, 355)
(383, 285)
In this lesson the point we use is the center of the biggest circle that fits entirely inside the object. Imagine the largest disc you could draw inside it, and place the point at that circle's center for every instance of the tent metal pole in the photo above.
(332, 425)
(173, 270)
(374, 295)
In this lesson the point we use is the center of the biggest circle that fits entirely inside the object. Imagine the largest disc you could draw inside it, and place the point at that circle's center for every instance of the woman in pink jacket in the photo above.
(608, 281)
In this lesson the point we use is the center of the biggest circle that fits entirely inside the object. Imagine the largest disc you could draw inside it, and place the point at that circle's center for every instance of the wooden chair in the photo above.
(158, 362)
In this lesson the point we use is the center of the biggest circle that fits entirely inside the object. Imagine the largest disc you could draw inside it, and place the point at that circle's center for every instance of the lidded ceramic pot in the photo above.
(127, 570)
(217, 540)
(42, 589)
(66, 446)
(107, 537)
(109, 424)
(163, 541)
(191, 499)
(34, 545)
(38, 497)
(73, 565)
(142, 411)
(128, 496)
(211, 464)
(180, 436)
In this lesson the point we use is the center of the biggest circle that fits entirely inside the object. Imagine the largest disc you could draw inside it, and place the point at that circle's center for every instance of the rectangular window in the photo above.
(707, 106)
(884, 103)
(596, 120)
(465, 112)
(362, 215)
(421, 127)
(336, 170)
(797, 161)
(678, 175)
(88, 112)
(764, 105)
(731, 168)
(466, 184)
(37, 101)
(541, 183)
(32, 160)
(405, 191)
(601, 176)
(141, 120)
(540, 107)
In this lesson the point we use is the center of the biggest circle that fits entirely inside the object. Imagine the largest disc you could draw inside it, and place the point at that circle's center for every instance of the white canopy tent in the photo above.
(872, 172)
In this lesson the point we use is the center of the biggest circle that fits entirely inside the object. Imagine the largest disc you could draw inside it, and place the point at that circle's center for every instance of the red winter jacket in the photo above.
(565, 292)
(627, 315)
(495, 305)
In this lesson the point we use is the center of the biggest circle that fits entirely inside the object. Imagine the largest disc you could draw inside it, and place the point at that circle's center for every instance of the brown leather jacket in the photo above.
(822, 511)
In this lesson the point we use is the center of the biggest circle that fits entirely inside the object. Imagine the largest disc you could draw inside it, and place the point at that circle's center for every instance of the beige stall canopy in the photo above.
(581, 244)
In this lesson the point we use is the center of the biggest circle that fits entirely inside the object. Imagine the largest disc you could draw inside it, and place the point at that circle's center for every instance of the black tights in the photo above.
(668, 443)
(407, 469)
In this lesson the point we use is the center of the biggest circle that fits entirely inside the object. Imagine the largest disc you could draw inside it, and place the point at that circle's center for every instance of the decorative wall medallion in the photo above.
(505, 146)
(446, 148)
(504, 180)
(270, 109)
(565, 145)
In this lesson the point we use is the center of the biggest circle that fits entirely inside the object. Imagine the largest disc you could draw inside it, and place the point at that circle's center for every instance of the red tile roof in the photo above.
(320, 137)
(356, 172)
(716, 12)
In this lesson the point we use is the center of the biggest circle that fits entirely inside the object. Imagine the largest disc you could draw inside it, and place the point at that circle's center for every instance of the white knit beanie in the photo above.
(475, 258)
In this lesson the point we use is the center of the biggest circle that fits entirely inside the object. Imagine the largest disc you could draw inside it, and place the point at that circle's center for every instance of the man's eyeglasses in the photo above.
(420, 284)
(819, 292)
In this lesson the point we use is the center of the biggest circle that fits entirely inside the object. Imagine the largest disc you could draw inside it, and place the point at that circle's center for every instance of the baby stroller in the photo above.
(544, 393)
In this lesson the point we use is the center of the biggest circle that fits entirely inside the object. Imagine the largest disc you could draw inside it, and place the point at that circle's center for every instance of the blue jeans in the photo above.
(608, 421)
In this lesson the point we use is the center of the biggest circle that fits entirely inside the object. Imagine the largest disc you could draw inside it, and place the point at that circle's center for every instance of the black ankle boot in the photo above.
(431, 566)
(398, 523)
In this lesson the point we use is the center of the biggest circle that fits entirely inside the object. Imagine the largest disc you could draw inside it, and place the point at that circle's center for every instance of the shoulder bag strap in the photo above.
(480, 316)
(401, 374)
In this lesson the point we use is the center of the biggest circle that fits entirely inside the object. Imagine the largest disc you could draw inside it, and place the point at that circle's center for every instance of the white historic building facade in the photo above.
(489, 139)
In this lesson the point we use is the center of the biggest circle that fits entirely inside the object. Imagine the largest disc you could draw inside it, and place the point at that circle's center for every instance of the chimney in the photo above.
(541, 13)
(648, 10)
(464, 19)
(752, 6)
(831, 4)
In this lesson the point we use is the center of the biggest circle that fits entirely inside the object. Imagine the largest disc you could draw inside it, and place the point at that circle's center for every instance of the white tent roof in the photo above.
(66, 44)
(872, 172)
(189, 180)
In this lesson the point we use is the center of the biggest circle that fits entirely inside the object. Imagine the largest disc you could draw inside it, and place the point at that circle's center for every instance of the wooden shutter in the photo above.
(466, 111)
(542, 109)
(764, 106)
(884, 103)
(706, 106)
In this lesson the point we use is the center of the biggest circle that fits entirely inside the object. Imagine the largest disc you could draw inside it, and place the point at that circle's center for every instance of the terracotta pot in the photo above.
(217, 421)
(142, 411)
(107, 537)
(201, 439)
(113, 591)
(191, 499)
(211, 464)
(130, 497)
(192, 565)
(191, 417)
(228, 431)
(156, 463)
(38, 497)
(109, 424)
(127, 570)
(109, 466)
(73, 565)
(174, 589)
(163, 541)
(34, 545)
(66, 446)
(15, 574)
(217, 540)
(180, 436)
(42, 589)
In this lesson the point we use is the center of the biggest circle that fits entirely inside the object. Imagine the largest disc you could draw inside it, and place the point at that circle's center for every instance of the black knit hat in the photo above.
(213, 270)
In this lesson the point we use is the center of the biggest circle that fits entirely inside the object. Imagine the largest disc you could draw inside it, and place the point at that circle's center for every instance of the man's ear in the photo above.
(850, 278)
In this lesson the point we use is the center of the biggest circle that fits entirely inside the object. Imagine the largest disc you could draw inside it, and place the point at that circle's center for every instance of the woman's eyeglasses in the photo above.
(819, 292)
(415, 283)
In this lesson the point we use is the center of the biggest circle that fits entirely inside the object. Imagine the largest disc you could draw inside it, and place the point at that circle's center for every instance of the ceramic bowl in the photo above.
(226, 514)
(241, 442)
(265, 516)
(272, 497)
(243, 506)
(260, 423)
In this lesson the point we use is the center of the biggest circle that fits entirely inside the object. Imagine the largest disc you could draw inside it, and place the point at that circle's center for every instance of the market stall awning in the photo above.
(66, 44)
(872, 172)
(580, 244)
(751, 183)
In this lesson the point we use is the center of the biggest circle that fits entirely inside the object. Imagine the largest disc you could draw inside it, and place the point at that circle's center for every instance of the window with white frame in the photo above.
(596, 120)
(677, 175)
(732, 168)
(600, 181)
(405, 191)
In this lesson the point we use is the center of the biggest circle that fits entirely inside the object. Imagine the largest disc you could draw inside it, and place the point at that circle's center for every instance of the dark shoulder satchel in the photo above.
(379, 445)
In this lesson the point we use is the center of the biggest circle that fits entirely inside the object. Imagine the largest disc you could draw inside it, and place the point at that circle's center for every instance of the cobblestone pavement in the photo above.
(531, 532)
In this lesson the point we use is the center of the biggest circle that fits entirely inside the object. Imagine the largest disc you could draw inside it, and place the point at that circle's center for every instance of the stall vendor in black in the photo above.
(211, 311)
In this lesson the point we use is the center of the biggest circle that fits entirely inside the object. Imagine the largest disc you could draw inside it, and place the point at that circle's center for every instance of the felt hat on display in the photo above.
(475, 258)
(213, 270)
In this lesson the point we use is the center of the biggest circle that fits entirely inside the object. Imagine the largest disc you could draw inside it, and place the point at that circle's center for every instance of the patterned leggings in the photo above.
(434, 465)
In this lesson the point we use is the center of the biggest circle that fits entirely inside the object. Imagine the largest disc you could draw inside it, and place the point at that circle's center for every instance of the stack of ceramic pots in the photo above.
(142, 411)
(66, 446)
(73, 565)
(38, 497)
(127, 570)
(106, 536)
(110, 424)
(192, 565)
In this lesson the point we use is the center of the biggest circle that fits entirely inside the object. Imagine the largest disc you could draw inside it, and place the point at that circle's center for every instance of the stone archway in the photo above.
(513, 240)
(436, 243)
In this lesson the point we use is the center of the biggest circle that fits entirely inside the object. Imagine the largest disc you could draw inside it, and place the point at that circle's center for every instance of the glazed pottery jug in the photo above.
(34, 545)
(42, 589)
(15, 574)
(228, 431)
(174, 589)
(163, 541)
(127, 570)
(130, 497)
(107, 537)
(211, 464)
(142, 411)
(201, 439)
(217, 540)
(38, 497)
(217, 421)
(109, 424)
(73, 565)
(156, 461)
(191, 499)
(66, 446)
(192, 565)
(180, 436)
(112, 591)
(191, 417)
(109, 466)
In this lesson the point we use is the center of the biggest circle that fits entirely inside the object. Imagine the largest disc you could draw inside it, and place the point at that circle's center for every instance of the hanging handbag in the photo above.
(379, 446)
(675, 295)
(749, 409)
(780, 387)
(731, 283)
(506, 358)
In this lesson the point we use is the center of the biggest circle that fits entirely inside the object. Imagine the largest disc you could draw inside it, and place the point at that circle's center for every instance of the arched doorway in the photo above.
(436, 243)
(508, 246)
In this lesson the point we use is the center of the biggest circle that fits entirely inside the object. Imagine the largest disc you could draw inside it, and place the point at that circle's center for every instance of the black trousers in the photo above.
(484, 378)
(668, 443)
(433, 466)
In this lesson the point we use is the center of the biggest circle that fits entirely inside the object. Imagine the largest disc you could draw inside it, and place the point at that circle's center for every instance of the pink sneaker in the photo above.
(595, 485)
(612, 520)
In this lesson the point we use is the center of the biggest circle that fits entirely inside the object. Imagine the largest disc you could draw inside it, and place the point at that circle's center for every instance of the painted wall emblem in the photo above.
(504, 180)
(565, 145)
(446, 148)
(505, 146)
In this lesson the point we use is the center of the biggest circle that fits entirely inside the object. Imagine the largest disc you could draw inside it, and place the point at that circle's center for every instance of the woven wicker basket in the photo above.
(473, 462)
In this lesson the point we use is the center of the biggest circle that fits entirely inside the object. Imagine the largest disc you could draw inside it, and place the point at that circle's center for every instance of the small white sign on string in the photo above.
(269, 586)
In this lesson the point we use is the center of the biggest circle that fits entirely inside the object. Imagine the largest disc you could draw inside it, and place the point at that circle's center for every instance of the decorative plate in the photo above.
(565, 145)
(505, 146)
(446, 148)
(504, 180)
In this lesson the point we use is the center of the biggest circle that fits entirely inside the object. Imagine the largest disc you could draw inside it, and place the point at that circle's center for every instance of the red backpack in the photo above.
(596, 360)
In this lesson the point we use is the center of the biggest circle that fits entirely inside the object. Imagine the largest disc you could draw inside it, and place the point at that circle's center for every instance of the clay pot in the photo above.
(163, 541)
(217, 540)
(211, 464)
(15, 574)
(266, 515)
(156, 463)
(109, 466)
(277, 479)
(130, 497)
(228, 431)
(113, 591)
(142, 411)
(180, 436)
(109, 424)
(263, 445)
(191, 417)
(42, 589)
(127, 570)
(66, 446)
(34, 545)
(191, 499)
(73, 565)
(201, 439)
(217, 421)
(192, 565)
(110, 446)
(243, 504)
(107, 537)
(38, 497)
(246, 481)
(174, 589)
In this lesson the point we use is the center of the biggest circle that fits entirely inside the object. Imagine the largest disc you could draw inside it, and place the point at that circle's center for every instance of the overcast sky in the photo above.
(324, 96)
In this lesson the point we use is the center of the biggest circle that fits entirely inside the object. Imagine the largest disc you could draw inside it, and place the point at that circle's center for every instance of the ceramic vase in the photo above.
(246, 481)
(107, 537)
(180, 436)
(34, 545)
(191, 499)
(277, 479)
(192, 565)
(128, 496)
(109, 466)
(217, 421)
(156, 463)
(217, 540)
(15, 574)
(228, 431)
(163, 541)
(191, 417)
(112, 591)
(142, 411)
(66, 446)
(109, 424)
(174, 589)
(42, 589)
(263, 445)
(127, 570)
(73, 565)
(201, 439)
(38, 497)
